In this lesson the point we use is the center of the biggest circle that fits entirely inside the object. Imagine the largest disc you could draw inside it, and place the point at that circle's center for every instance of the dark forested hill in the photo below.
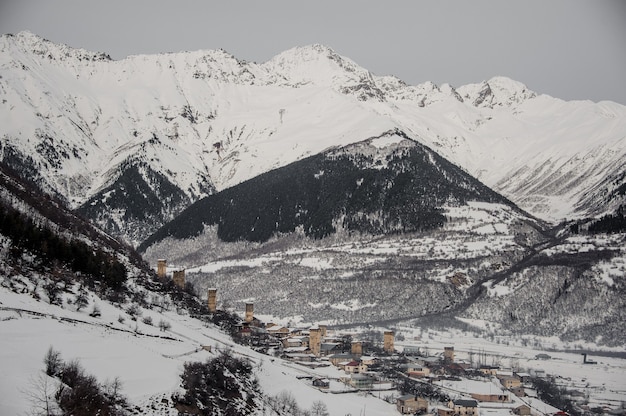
(382, 185)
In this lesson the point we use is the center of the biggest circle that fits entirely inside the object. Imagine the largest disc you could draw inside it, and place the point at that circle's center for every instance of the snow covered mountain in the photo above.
(384, 185)
(133, 142)
(70, 336)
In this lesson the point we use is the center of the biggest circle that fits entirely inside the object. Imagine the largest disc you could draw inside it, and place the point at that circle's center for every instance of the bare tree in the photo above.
(40, 394)
(319, 409)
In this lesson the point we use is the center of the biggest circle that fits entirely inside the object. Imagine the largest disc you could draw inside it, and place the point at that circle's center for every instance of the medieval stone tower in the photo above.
(249, 312)
(388, 341)
(323, 330)
(161, 268)
(212, 300)
(356, 348)
(315, 341)
(179, 278)
(448, 355)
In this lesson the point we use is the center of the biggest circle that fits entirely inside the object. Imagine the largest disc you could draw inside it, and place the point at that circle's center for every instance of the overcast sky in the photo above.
(569, 49)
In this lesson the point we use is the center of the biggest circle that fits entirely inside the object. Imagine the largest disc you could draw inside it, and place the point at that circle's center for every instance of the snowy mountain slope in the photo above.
(76, 120)
(581, 294)
(125, 338)
(487, 262)
(147, 361)
(387, 184)
(141, 332)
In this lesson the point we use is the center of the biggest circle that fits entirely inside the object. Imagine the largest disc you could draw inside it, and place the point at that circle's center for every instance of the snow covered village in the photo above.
(312, 209)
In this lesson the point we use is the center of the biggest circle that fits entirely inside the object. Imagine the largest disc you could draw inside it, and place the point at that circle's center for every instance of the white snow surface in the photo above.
(221, 121)
(147, 361)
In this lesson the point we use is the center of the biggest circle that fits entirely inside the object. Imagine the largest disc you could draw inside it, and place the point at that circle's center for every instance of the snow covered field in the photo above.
(149, 361)
(604, 383)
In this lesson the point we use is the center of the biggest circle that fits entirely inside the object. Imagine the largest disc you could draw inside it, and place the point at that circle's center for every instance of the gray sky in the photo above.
(570, 49)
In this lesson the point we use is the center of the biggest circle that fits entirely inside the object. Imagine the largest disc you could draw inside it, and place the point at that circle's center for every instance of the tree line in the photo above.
(49, 246)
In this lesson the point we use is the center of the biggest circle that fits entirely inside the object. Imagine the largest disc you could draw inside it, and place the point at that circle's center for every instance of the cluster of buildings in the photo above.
(316, 346)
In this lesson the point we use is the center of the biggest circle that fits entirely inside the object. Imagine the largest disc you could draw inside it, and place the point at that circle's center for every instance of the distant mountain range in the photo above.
(132, 143)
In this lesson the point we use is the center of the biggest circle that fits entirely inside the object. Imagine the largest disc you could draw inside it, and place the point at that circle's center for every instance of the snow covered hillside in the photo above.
(135, 339)
(146, 360)
(161, 131)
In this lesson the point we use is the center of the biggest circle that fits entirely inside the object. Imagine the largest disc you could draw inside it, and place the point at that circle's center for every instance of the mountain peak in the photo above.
(496, 92)
(307, 53)
(32, 43)
(316, 64)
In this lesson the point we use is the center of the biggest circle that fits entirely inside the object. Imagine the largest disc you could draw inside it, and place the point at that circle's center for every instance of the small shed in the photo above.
(321, 383)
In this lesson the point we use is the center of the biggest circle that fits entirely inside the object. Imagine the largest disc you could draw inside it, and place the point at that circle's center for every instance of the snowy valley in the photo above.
(370, 242)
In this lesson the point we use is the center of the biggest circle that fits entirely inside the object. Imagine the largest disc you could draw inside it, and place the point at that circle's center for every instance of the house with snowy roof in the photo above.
(464, 407)
(522, 410)
(355, 367)
(361, 381)
(296, 342)
(369, 360)
(330, 348)
(411, 404)
(278, 330)
(489, 370)
(337, 359)
(321, 383)
(509, 382)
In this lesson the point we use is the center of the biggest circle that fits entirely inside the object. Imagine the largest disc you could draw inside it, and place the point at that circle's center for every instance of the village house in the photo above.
(295, 342)
(278, 331)
(298, 356)
(330, 348)
(416, 369)
(444, 411)
(518, 391)
(510, 382)
(524, 377)
(337, 359)
(294, 332)
(418, 372)
(464, 407)
(368, 360)
(355, 367)
(489, 370)
(496, 397)
(411, 350)
(361, 381)
(522, 410)
(411, 404)
(321, 383)
(299, 350)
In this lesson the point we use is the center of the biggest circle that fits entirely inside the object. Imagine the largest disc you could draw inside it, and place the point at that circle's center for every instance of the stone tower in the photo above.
(357, 348)
(249, 312)
(212, 300)
(179, 278)
(315, 341)
(448, 355)
(388, 342)
(161, 268)
(323, 329)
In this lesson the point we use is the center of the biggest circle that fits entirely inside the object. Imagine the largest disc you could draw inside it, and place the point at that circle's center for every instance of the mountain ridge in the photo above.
(206, 121)
(384, 184)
